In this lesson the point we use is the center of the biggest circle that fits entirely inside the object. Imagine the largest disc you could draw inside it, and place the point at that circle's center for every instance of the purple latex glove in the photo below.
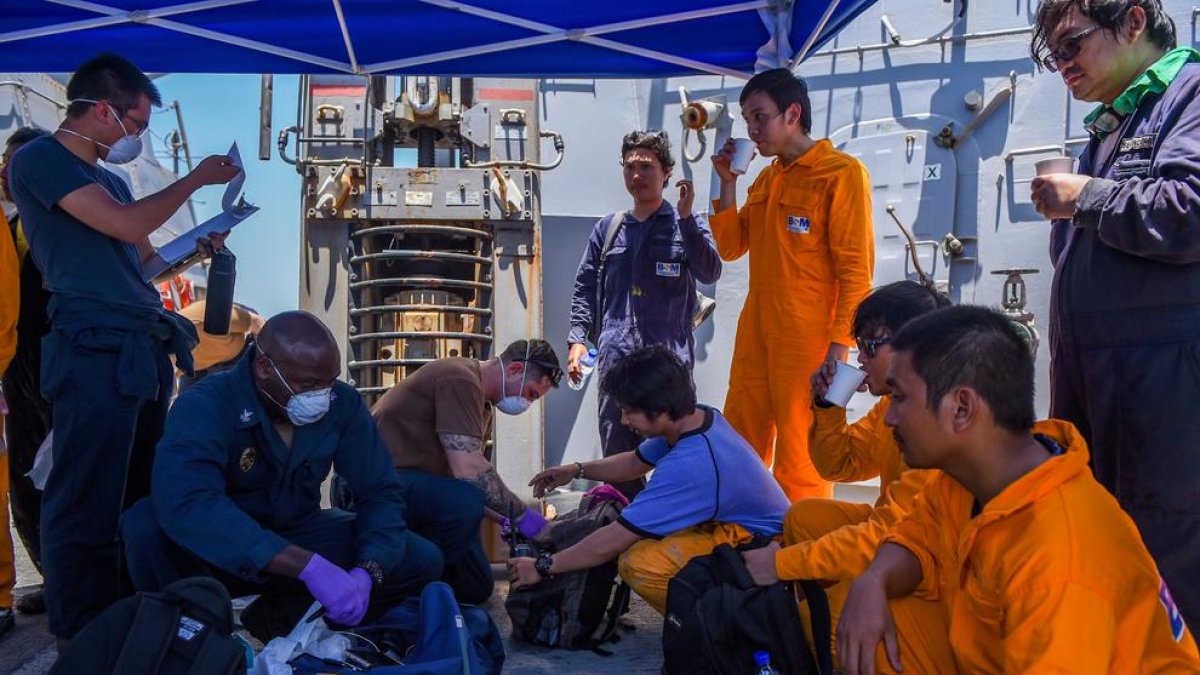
(531, 523)
(342, 596)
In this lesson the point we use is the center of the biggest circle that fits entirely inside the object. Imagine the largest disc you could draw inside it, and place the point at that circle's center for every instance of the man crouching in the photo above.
(709, 486)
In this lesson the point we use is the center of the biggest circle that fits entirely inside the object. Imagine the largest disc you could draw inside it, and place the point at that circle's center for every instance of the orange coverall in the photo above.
(1050, 577)
(807, 227)
(9, 305)
(836, 540)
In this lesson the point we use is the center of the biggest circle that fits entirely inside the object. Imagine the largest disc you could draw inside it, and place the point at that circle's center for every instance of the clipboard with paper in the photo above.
(181, 252)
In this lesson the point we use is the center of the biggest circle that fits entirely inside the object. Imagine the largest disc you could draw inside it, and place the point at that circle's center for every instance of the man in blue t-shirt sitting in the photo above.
(709, 487)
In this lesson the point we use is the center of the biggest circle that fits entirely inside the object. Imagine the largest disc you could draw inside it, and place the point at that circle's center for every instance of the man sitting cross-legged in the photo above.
(709, 487)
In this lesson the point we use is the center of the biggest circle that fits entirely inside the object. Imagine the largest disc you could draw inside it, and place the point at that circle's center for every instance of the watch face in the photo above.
(543, 565)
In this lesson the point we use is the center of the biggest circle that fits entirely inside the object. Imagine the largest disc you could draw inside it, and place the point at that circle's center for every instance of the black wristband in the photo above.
(543, 564)
(375, 570)
(578, 470)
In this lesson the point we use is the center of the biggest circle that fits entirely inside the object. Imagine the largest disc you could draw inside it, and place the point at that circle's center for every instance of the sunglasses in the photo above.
(1067, 49)
(552, 371)
(870, 346)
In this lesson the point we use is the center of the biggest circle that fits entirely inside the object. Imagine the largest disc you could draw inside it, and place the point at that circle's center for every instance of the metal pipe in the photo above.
(393, 254)
(393, 309)
(187, 151)
(522, 164)
(266, 97)
(419, 335)
(912, 247)
(421, 229)
(941, 39)
(420, 281)
(26, 89)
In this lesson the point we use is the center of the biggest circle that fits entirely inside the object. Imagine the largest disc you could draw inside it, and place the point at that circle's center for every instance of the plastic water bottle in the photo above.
(587, 363)
(763, 661)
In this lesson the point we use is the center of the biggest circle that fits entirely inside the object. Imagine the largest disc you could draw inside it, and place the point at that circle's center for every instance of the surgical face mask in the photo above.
(125, 150)
(515, 405)
(303, 408)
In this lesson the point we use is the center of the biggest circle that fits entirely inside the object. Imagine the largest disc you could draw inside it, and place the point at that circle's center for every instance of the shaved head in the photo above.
(298, 348)
(296, 335)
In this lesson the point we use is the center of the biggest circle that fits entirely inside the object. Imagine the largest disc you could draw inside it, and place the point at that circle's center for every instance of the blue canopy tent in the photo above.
(519, 38)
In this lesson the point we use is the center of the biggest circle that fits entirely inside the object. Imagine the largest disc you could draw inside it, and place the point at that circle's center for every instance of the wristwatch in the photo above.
(375, 570)
(544, 561)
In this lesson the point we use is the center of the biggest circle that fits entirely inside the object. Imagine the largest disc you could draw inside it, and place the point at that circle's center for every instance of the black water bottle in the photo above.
(222, 273)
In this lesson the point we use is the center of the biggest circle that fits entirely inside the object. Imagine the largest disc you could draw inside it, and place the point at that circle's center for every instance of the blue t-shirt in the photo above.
(76, 260)
(710, 474)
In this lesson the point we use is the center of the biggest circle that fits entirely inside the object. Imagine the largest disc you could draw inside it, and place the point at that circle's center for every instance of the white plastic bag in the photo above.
(43, 462)
(312, 637)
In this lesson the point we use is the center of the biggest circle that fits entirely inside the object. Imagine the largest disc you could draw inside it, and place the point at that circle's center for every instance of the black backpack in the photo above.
(577, 610)
(184, 629)
(717, 618)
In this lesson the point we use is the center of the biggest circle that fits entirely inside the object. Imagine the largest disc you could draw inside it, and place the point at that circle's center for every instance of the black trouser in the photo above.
(103, 452)
(449, 512)
(1131, 385)
(28, 420)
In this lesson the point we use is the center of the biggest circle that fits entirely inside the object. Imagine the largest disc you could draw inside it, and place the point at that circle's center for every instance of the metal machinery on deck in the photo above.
(407, 264)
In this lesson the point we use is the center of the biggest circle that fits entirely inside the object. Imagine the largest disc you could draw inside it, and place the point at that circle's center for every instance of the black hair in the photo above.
(656, 142)
(784, 88)
(651, 380)
(109, 77)
(24, 135)
(1110, 15)
(541, 359)
(894, 305)
(974, 347)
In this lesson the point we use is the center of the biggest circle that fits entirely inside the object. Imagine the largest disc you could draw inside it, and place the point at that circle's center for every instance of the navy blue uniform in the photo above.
(650, 278)
(1125, 325)
(105, 370)
(228, 494)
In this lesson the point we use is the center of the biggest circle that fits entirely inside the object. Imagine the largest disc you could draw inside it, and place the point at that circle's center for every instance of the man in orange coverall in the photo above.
(1035, 564)
(9, 308)
(835, 540)
(807, 226)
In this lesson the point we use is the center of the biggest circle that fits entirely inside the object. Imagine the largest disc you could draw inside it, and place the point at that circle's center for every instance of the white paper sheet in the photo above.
(180, 252)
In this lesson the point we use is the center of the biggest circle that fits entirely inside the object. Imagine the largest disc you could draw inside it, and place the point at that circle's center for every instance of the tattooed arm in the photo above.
(465, 454)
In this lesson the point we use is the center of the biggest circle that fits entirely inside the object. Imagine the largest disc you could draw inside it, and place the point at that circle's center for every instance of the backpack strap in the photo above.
(822, 625)
(611, 228)
(217, 656)
(152, 629)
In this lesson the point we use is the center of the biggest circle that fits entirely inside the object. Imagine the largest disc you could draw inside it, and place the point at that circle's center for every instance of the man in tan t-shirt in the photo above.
(435, 423)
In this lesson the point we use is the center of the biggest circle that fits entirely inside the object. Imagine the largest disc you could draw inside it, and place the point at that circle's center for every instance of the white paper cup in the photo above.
(845, 383)
(743, 152)
(1055, 165)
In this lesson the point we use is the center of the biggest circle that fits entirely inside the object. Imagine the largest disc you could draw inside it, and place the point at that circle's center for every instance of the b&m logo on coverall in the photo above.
(1173, 616)
(798, 224)
(667, 269)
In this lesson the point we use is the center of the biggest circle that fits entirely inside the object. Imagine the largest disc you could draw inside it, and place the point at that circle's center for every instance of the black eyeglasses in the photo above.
(552, 371)
(870, 346)
(1067, 49)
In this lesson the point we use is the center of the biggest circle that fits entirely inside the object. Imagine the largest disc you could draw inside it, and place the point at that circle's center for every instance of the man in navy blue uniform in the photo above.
(237, 485)
(650, 268)
(1125, 300)
(106, 367)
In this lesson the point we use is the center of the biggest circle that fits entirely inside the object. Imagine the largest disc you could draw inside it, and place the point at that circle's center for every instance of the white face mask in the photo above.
(303, 408)
(515, 405)
(125, 150)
